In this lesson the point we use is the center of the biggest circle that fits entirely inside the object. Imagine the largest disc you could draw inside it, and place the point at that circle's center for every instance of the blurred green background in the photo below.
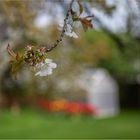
(113, 45)
(35, 125)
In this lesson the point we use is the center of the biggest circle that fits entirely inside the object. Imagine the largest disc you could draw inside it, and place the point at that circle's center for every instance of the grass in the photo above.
(32, 124)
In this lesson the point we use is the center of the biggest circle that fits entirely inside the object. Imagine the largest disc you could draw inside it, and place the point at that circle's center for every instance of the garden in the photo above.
(69, 69)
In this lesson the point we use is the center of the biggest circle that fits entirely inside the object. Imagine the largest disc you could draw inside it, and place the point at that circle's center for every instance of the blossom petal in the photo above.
(39, 65)
(74, 35)
(49, 71)
(47, 60)
(45, 68)
(53, 65)
(44, 72)
(71, 34)
(38, 73)
(69, 28)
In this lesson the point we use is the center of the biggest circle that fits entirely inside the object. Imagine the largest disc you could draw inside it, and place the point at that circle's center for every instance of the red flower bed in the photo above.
(66, 106)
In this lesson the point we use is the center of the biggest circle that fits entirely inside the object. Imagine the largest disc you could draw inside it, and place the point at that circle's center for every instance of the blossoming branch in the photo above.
(37, 57)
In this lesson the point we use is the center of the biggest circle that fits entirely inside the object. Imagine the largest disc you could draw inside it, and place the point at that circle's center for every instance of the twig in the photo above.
(63, 29)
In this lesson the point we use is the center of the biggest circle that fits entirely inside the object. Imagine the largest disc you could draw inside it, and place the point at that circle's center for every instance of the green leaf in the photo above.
(80, 7)
(75, 18)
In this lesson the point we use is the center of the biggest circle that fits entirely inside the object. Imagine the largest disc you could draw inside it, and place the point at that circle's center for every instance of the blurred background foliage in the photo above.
(119, 53)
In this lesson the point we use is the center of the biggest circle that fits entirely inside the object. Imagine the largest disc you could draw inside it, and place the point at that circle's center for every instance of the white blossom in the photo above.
(45, 68)
(69, 31)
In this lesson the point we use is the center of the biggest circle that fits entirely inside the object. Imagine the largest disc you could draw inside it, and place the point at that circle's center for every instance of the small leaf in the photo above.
(16, 65)
(75, 18)
(86, 22)
(10, 51)
(80, 7)
(16, 61)
(84, 27)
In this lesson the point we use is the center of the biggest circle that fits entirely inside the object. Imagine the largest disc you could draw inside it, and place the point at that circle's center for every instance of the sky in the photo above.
(117, 22)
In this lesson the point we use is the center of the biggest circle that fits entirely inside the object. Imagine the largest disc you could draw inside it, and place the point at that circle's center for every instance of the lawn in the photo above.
(34, 124)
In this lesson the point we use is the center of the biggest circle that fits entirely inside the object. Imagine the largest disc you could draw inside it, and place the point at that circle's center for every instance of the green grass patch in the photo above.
(33, 124)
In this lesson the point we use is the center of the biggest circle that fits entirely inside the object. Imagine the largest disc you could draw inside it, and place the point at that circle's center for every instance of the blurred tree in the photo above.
(125, 62)
(117, 52)
(122, 26)
(16, 26)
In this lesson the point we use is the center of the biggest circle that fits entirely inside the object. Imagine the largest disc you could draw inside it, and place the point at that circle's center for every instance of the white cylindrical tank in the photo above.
(102, 92)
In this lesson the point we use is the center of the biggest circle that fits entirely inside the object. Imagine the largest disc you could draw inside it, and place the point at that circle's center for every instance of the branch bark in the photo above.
(63, 30)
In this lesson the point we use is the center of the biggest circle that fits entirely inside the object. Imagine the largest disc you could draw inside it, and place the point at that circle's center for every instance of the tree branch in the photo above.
(63, 29)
